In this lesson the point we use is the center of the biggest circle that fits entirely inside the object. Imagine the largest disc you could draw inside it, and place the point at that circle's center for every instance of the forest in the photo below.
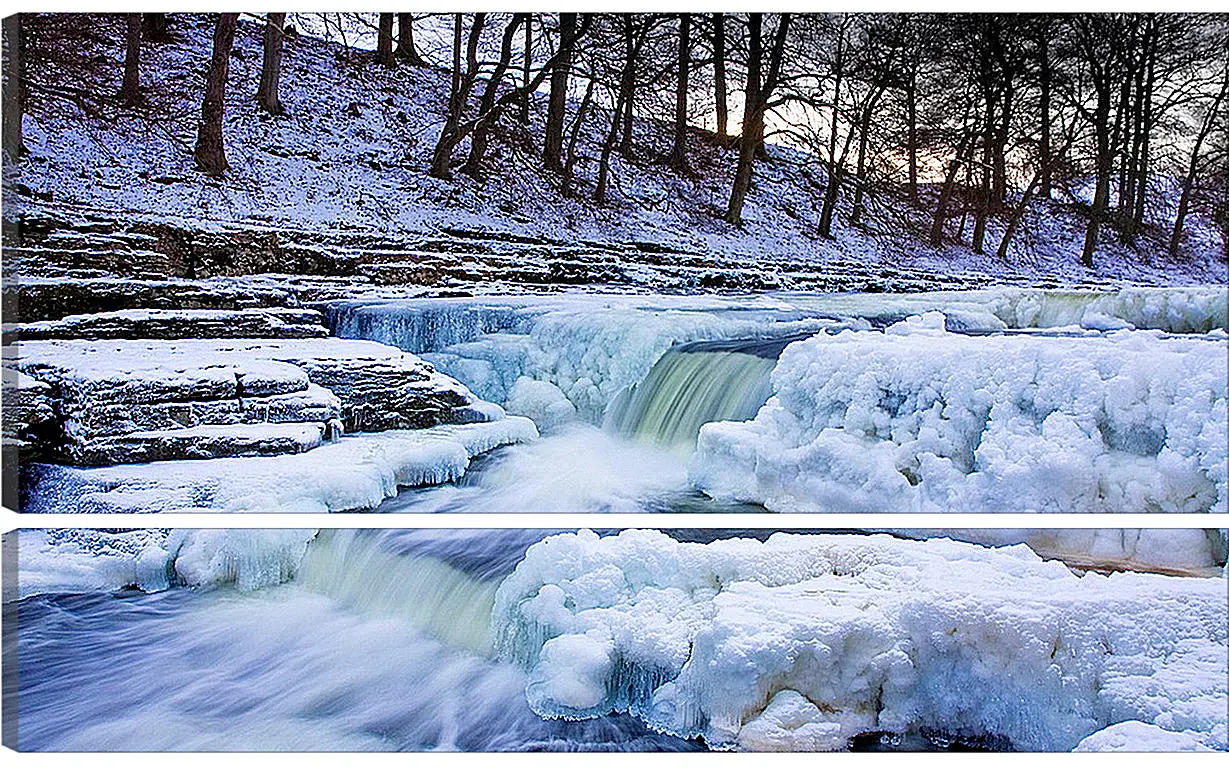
(951, 118)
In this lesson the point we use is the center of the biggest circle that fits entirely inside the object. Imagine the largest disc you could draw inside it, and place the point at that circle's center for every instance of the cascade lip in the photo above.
(769, 348)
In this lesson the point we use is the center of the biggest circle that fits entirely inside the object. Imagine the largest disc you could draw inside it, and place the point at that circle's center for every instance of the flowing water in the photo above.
(637, 461)
(380, 643)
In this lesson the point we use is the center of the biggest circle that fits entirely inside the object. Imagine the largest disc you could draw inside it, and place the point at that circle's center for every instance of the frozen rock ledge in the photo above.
(356, 472)
(803, 641)
(118, 401)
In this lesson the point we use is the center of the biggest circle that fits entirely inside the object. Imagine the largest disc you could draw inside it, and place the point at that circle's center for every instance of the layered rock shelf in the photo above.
(120, 401)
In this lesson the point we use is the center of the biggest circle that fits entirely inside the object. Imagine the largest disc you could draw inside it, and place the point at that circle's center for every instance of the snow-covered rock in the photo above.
(354, 473)
(1134, 736)
(804, 641)
(932, 421)
(51, 298)
(149, 400)
(180, 324)
(68, 560)
(1184, 551)
(27, 411)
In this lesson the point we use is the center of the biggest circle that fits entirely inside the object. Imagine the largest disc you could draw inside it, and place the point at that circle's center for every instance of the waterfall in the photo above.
(428, 593)
(693, 384)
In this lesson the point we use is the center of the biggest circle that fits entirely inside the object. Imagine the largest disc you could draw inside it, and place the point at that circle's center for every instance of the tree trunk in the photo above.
(983, 199)
(384, 41)
(405, 41)
(750, 133)
(210, 155)
(130, 92)
(1101, 197)
(569, 164)
(911, 116)
(14, 87)
(557, 110)
(759, 89)
(481, 133)
(864, 132)
(628, 86)
(1001, 134)
(156, 27)
(1046, 76)
(271, 68)
(719, 87)
(945, 193)
(1192, 168)
(678, 156)
(527, 68)
(608, 145)
(450, 136)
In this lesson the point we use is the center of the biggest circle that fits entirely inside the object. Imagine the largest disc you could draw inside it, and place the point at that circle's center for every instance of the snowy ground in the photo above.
(352, 152)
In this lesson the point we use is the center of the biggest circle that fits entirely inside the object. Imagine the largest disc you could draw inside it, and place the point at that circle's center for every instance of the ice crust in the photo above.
(356, 472)
(918, 419)
(592, 347)
(71, 560)
(806, 640)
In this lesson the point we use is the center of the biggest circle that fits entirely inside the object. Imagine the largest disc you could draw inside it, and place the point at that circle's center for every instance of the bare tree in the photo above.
(130, 92)
(405, 41)
(271, 67)
(678, 155)
(1192, 172)
(756, 100)
(553, 149)
(14, 86)
(210, 154)
(478, 141)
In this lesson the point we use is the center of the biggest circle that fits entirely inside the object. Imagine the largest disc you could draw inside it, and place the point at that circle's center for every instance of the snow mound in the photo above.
(1134, 736)
(356, 472)
(920, 420)
(72, 560)
(804, 641)
(247, 558)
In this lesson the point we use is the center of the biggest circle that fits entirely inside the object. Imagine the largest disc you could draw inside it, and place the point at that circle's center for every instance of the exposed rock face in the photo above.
(179, 324)
(28, 417)
(126, 401)
(53, 298)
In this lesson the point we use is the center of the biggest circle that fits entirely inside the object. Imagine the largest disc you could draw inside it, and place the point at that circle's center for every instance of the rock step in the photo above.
(53, 298)
(119, 401)
(207, 442)
(274, 323)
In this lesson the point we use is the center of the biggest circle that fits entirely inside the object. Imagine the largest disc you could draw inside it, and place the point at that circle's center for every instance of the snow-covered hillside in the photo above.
(352, 154)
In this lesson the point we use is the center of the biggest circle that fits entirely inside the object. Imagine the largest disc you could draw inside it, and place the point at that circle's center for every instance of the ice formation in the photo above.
(919, 419)
(803, 641)
(69, 560)
(592, 348)
(1189, 551)
(356, 472)
(248, 558)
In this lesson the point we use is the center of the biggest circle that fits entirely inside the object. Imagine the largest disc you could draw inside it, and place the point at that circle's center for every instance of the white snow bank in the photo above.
(356, 472)
(924, 420)
(1195, 309)
(806, 640)
(248, 558)
(1183, 551)
(1134, 736)
(73, 560)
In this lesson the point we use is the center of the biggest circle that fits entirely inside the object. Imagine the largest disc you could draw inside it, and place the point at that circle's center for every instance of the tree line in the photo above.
(964, 118)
